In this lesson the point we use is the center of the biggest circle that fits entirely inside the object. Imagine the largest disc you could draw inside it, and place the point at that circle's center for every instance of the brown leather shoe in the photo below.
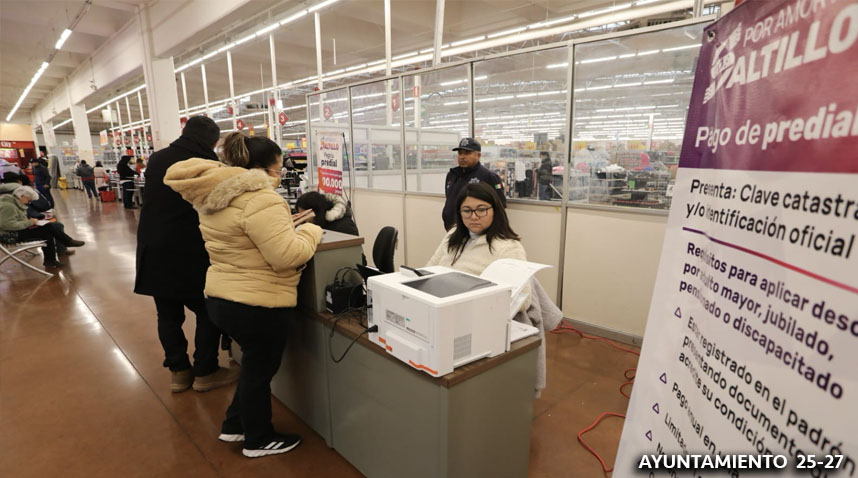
(221, 377)
(182, 380)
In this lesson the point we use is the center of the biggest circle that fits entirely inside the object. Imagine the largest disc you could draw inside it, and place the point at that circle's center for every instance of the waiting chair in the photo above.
(14, 249)
(384, 247)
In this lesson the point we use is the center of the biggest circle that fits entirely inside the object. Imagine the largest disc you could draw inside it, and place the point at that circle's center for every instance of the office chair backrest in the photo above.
(384, 247)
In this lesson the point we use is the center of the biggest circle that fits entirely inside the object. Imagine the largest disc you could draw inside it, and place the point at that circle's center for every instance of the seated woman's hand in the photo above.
(34, 221)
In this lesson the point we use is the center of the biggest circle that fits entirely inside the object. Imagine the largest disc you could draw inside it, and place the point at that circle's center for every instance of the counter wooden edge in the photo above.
(334, 240)
(350, 327)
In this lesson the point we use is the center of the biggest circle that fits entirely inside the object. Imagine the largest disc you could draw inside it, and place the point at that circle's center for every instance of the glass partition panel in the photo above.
(437, 115)
(378, 135)
(520, 119)
(631, 98)
(293, 133)
(329, 117)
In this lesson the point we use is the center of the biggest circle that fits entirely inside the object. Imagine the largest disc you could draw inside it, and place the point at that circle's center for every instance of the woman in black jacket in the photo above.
(331, 212)
(126, 180)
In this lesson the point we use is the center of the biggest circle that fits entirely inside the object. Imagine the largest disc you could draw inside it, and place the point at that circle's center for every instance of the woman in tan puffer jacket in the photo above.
(256, 260)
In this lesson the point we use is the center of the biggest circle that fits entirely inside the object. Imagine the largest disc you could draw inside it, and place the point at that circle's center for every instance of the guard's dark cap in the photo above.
(468, 144)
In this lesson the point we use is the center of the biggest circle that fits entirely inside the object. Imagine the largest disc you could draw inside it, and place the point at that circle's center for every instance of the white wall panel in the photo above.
(374, 210)
(610, 267)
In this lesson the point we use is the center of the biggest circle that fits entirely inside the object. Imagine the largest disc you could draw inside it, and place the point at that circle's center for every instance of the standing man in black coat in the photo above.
(469, 170)
(42, 177)
(172, 263)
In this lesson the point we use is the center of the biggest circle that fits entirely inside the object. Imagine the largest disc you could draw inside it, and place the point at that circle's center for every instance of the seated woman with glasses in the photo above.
(480, 236)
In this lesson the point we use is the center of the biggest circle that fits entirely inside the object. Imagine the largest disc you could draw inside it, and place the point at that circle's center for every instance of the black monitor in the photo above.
(366, 271)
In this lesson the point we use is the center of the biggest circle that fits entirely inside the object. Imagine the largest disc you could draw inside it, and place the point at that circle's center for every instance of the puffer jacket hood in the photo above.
(210, 186)
(339, 208)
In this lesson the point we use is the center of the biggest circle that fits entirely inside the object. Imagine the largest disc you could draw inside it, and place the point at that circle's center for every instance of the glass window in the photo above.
(378, 135)
(520, 120)
(631, 98)
(329, 115)
(293, 134)
(437, 115)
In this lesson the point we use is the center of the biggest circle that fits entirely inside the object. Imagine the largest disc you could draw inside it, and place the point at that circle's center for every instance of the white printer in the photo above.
(439, 321)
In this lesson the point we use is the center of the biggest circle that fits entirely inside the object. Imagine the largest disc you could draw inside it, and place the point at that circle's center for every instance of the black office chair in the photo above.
(384, 247)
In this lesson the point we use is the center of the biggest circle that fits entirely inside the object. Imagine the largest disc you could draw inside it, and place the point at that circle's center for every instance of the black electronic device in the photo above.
(341, 295)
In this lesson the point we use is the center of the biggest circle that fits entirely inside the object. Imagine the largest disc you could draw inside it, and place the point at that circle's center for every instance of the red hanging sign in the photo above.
(271, 101)
(328, 112)
(183, 120)
(416, 92)
(394, 102)
(239, 125)
(229, 109)
(282, 118)
(136, 139)
(127, 141)
(148, 137)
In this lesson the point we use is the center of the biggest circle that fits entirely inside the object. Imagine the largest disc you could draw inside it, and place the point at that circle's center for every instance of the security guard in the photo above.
(469, 170)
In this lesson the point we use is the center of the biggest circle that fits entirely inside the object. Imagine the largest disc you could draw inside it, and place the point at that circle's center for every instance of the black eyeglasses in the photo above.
(480, 212)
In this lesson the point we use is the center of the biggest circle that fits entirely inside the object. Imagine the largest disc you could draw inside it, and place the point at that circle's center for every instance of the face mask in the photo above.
(275, 182)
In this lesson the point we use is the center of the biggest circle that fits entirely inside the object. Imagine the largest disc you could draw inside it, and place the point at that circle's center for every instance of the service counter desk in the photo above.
(388, 419)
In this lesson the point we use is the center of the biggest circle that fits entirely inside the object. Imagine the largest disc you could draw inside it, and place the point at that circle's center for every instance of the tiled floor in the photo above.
(83, 393)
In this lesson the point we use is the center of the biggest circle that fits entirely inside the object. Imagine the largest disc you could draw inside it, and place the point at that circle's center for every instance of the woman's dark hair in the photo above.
(250, 153)
(25, 180)
(98, 164)
(498, 229)
(318, 203)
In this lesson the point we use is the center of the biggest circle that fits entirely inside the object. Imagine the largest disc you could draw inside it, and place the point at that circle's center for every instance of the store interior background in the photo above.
(632, 75)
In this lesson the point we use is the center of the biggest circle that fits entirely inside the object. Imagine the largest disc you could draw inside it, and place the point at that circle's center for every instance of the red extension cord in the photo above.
(629, 374)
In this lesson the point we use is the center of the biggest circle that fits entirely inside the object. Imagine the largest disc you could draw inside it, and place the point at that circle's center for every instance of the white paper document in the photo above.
(515, 274)
(42, 222)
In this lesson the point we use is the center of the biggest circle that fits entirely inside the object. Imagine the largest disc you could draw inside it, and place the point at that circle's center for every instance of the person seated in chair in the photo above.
(480, 235)
(37, 209)
(329, 211)
(17, 227)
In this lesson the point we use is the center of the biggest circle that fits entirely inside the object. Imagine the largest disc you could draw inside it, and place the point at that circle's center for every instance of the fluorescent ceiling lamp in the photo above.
(558, 65)
(227, 47)
(594, 88)
(321, 5)
(209, 55)
(269, 28)
(507, 32)
(245, 39)
(592, 13)
(294, 17)
(404, 55)
(64, 122)
(598, 60)
(469, 40)
(194, 62)
(684, 47)
(63, 37)
(627, 55)
(658, 82)
(559, 20)
(623, 85)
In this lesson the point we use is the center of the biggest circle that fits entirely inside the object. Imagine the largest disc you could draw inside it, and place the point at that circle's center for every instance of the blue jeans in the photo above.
(544, 192)
(128, 194)
(89, 187)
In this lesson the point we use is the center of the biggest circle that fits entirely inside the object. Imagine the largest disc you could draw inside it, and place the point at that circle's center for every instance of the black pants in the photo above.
(52, 233)
(261, 333)
(171, 316)
(46, 191)
(128, 194)
(89, 187)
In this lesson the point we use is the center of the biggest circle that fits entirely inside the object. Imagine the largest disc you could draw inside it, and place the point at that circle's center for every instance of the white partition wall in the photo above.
(609, 267)
(374, 210)
(539, 228)
(423, 227)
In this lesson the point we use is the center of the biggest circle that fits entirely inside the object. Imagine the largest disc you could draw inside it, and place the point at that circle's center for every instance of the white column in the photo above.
(131, 131)
(232, 101)
(143, 139)
(387, 55)
(185, 93)
(205, 90)
(161, 92)
(318, 50)
(274, 117)
(51, 140)
(122, 146)
(439, 30)
(81, 133)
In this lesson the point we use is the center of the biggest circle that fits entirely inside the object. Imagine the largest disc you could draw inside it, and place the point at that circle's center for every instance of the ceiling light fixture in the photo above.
(63, 37)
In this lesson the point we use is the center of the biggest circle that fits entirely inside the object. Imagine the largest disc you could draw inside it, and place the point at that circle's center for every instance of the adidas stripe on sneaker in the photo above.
(278, 444)
(231, 437)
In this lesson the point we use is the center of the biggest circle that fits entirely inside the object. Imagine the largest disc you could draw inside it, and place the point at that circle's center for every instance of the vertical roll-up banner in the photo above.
(329, 150)
(750, 356)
